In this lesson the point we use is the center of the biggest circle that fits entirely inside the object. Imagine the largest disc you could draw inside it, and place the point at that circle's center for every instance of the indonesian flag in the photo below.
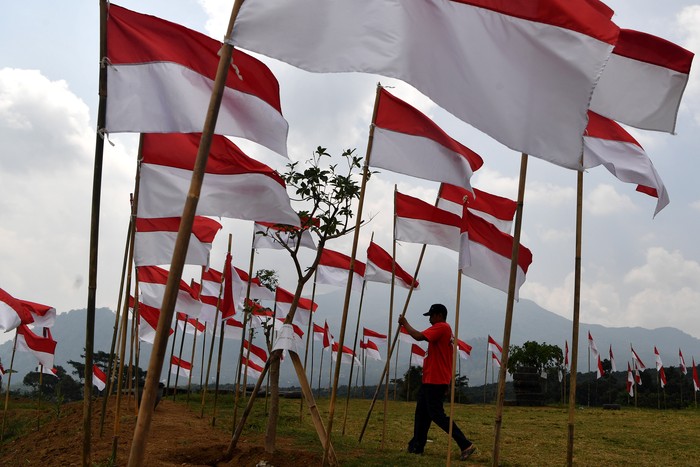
(2, 370)
(209, 295)
(347, 355)
(228, 308)
(379, 266)
(318, 332)
(327, 336)
(260, 315)
(154, 240)
(496, 210)
(404, 336)
(234, 185)
(606, 143)
(252, 369)
(417, 355)
(333, 269)
(240, 288)
(612, 360)
(148, 322)
(696, 382)
(160, 77)
(599, 367)
(662, 377)
(408, 142)
(12, 312)
(44, 316)
(190, 325)
(234, 329)
(659, 363)
(420, 222)
(152, 282)
(485, 254)
(43, 348)
(637, 376)
(47, 371)
(643, 82)
(591, 345)
(371, 349)
(637, 361)
(630, 381)
(284, 301)
(374, 336)
(99, 378)
(496, 360)
(502, 67)
(257, 354)
(566, 354)
(180, 367)
(494, 347)
(275, 236)
(464, 349)
(681, 360)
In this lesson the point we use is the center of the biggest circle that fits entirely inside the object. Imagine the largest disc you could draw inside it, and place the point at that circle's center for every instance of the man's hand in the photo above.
(402, 320)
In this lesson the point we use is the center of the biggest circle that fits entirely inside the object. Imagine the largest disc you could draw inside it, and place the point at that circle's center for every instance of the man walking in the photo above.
(437, 375)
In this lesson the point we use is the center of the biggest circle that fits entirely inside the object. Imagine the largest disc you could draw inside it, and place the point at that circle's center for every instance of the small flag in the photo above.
(371, 350)
(464, 349)
(417, 355)
(99, 378)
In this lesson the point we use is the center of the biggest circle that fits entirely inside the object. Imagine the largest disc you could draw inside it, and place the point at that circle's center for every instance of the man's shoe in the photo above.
(413, 450)
(467, 452)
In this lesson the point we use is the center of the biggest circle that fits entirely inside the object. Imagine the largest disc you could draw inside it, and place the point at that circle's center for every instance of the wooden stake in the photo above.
(7, 389)
(189, 379)
(354, 349)
(211, 347)
(455, 356)
(486, 369)
(509, 314)
(309, 337)
(182, 345)
(221, 342)
(391, 321)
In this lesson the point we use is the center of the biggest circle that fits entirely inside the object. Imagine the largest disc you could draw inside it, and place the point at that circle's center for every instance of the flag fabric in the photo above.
(284, 301)
(637, 361)
(417, 355)
(637, 376)
(659, 363)
(233, 330)
(160, 77)
(43, 348)
(662, 377)
(99, 378)
(191, 325)
(347, 355)
(420, 222)
(379, 268)
(12, 312)
(228, 308)
(234, 185)
(318, 332)
(681, 361)
(599, 367)
(374, 336)
(485, 254)
(630, 381)
(252, 369)
(333, 269)
(239, 281)
(404, 336)
(2, 370)
(180, 367)
(496, 359)
(494, 347)
(259, 315)
(154, 240)
(464, 349)
(591, 345)
(152, 282)
(612, 360)
(696, 382)
(44, 316)
(566, 354)
(275, 236)
(643, 82)
(606, 143)
(499, 66)
(371, 350)
(257, 354)
(407, 141)
(148, 322)
(327, 336)
(209, 295)
(496, 210)
(47, 371)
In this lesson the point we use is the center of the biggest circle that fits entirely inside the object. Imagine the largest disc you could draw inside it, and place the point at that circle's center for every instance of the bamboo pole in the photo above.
(130, 371)
(509, 314)
(182, 345)
(211, 347)
(354, 349)
(192, 356)
(172, 354)
(137, 347)
(309, 337)
(41, 386)
(222, 333)
(486, 369)
(94, 238)
(320, 369)
(311, 378)
(391, 320)
(455, 356)
(7, 389)
(204, 349)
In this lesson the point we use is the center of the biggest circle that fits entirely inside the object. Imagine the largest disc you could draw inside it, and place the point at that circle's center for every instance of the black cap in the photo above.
(437, 308)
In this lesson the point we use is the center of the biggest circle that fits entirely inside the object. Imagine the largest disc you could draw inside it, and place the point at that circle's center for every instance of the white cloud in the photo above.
(605, 200)
(695, 205)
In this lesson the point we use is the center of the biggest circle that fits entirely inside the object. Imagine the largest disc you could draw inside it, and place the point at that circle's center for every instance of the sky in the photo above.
(637, 270)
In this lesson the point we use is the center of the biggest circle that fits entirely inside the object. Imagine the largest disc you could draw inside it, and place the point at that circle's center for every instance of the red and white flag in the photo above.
(275, 236)
(99, 378)
(417, 355)
(326, 337)
(252, 369)
(333, 269)
(637, 376)
(606, 143)
(148, 322)
(613, 367)
(662, 377)
(499, 66)
(371, 350)
(180, 367)
(380, 265)
(496, 210)
(659, 363)
(696, 381)
(209, 295)
(485, 254)
(12, 312)
(318, 332)
(160, 77)
(681, 361)
(152, 281)
(630, 381)
(231, 296)
(191, 325)
(494, 347)
(374, 336)
(305, 307)
(47, 371)
(643, 82)
(566, 354)
(496, 360)
(259, 315)
(591, 345)
(234, 185)
(154, 240)
(408, 142)
(347, 355)
(420, 222)
(233, 329)
(599, 367)
(464, 349)
(637, 361)
(43, 348)
(404, 336)
(257, 354)
(239, 281)
(44, 316)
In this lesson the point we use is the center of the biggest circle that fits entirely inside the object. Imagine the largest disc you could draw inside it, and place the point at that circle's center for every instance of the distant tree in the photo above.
(60, 385)
(541, 357)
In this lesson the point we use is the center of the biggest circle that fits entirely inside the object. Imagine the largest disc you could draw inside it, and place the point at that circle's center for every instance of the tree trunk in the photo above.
(273, 415)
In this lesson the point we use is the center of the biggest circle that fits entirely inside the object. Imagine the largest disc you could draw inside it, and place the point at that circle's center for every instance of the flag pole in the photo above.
(320, 369)
(509, 313)
(94, 237)
(211, 346)
(172, 353)
(486, 369)
(391, 319)
(204, 350)
(348, 288)
(354, 349)
(7, 389)
(129, 373)
(182, 345)
(309, 337)
(221, 338)
(137, 348)
(189, 379)
(454, 364)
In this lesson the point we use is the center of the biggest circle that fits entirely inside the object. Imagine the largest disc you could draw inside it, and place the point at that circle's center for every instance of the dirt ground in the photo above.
(178, 437)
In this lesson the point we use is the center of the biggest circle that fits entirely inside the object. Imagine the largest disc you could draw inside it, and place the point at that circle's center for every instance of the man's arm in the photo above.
(417, 335)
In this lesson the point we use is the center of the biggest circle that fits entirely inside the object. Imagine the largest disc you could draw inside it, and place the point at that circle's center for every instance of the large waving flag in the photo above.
(43, 348)
(643, 82)
(333, 268)
(148, 322)
(408, 142)
(12, 312)
(347, 355)
(681, 362)
(234, 329)
(190, 325)
(637, 361)
(417, 355)
(420, 222)
(591, 345)
(606, 143)
(305, 307)
(494, 346)
(371, 350)
(404, 336)
(152, 280)
(520, 72)
(497, 210)
(252, 369)
(209, 295)
(234, 185)
(44, 316)
(269, 235)
(154, 240)
(180, 367)
(257, 354)
(379, 267)
(374, 336)
(160, 77)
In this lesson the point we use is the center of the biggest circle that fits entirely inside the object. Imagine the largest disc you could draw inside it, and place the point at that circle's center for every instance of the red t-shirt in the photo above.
(437, 366)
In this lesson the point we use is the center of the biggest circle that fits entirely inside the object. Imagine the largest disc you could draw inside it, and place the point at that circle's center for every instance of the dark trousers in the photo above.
(429, 409)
